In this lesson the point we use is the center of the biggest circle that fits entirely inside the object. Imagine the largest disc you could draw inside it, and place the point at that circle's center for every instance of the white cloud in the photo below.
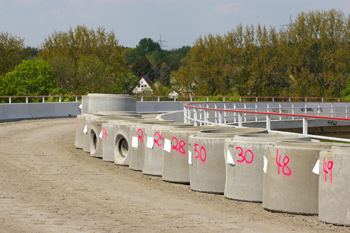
(229, 8)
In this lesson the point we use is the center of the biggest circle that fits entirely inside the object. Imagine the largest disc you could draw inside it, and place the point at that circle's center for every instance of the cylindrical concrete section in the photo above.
(175, 160)
(79, 134)
(334, 190)
(244, 164)
(139, 139)
(153, 162)
(123, 141)
(110, 102)
(289, 184)
(207, 161)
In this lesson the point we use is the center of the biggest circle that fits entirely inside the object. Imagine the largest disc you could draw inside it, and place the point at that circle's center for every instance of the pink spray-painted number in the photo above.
(156, 141)
(140, 136)
(244, 157)
(199, 153)
(104, 134)
(284, 166)
(327, 166)
(179, 146)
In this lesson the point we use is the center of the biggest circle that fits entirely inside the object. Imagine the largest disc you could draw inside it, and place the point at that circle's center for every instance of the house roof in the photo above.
(148, 81)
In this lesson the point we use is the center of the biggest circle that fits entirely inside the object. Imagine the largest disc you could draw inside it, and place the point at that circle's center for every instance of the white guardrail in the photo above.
(219, 113)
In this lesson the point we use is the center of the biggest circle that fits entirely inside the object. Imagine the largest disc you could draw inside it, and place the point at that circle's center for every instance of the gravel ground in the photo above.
(47, 185)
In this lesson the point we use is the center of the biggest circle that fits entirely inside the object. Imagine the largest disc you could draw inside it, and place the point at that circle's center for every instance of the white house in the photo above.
(144, 84)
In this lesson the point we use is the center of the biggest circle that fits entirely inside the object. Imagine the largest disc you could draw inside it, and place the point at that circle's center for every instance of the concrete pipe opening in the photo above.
(93, 140)
(122, 146)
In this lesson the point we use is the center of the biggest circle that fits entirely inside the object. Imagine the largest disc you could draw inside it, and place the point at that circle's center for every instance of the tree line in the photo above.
(309, 58)
(79, 61)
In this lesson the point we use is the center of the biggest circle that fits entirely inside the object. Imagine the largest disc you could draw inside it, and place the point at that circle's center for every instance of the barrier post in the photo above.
(141, 98)
(234, 114)
(195, 123)
(332, 110)
(9, 100)
(158, 98)
(256, 109)
(220, 117)
(280, 111)
(60, 99)
(304, 125)
(185, 114)
(76, 98)
(207, 98)
(268, 122)
(174, 99)
(225, 114)
(43, 99)
(292, 110)
(216, 114)
(240, 119)
(26, 99)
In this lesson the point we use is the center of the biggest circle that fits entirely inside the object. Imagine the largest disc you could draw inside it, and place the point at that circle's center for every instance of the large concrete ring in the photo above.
(153, 162)
(137, 152)
(333, 195)
(289, 184)
(244, 156)
(207, 172)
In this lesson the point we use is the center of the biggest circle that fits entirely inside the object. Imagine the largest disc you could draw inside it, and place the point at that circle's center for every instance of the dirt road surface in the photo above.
(47, 185)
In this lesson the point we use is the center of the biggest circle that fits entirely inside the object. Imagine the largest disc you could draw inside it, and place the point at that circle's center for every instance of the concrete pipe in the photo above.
(289, 185)
(79, 134)
(110, 102)
(99, 134)
(153, 162)
(109, 143)
(334, 191)
(88, 118)
(175, 160)
(123, 141)
(244, 162)
(81, 130)
(137, 135)
(206, 158)
(87, 130)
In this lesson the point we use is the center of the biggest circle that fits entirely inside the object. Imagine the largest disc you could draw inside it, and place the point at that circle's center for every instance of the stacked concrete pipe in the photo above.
(98, 133)
(244, 164)
(207, 160)
(137, 152)
(289, 184)
(109, 102)
(108, 145)
(333, 195)
(153, 162)
(175, 159)
(123, 139)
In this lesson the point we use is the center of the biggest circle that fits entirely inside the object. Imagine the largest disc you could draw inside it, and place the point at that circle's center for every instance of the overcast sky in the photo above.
(179, 22)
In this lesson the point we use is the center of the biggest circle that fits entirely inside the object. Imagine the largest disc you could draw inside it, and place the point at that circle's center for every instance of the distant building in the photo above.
(144, 84)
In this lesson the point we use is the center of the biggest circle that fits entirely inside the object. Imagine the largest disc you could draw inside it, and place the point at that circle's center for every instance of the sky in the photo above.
(178, 22)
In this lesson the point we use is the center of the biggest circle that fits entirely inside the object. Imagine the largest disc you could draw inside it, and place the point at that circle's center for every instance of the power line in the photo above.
(162, 43)
(288, 24)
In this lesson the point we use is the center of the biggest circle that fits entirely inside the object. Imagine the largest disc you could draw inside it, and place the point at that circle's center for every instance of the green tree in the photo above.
(130, 55)
(94, 76)
(146, 46)
(12, 52)
(64, 69)
(164, 78)
(84, 42)
(125, 82)
(29, 78)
